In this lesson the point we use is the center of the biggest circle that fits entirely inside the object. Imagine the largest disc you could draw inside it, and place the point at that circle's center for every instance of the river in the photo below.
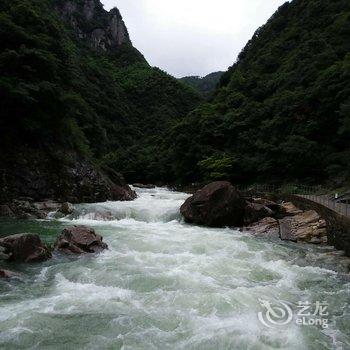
(164, 284)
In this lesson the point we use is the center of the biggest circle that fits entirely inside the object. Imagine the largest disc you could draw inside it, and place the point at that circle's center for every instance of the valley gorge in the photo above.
(130, 215)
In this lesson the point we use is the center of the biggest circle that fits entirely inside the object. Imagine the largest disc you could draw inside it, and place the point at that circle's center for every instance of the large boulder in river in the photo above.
(25, 247)
(218, 204)
(80, 240)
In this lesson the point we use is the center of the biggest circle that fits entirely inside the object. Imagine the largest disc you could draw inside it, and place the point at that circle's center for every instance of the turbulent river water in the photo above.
(164, 284)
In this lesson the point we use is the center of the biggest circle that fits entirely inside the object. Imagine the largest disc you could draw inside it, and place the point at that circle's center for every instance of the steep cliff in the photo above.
(77, 101)
(89, 20)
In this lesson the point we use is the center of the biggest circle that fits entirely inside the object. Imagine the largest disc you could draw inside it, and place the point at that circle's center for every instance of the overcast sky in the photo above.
(192, 37)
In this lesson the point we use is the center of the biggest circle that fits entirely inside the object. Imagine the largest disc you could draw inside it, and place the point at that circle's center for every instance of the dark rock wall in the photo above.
(41, 176)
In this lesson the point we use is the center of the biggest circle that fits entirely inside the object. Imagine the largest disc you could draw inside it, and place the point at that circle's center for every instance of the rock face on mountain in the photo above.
(218, 204)
(101, 29)
(40, 176)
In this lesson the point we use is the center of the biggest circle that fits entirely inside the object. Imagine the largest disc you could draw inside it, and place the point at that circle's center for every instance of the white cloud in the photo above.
(192, 37)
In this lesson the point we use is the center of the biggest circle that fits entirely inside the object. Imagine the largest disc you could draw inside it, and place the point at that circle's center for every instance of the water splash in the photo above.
(164, 284)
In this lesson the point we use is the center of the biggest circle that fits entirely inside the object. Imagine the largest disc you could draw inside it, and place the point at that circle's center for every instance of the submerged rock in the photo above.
(218, 204)
(25, 247)
(80, 240)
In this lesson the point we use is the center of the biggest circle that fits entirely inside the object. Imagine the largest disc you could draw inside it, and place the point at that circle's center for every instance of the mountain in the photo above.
(79, 103)
(205, 85)
(282, 111)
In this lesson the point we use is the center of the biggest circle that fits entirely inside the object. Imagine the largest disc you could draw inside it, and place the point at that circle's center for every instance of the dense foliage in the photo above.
(282, 110)
(280, 113)
(205, 85)
(59, 94)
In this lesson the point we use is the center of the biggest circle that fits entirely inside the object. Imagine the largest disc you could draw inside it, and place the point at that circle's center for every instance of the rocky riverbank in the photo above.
(219, 204)
(38, 177)
(27, 208)
(29, 248)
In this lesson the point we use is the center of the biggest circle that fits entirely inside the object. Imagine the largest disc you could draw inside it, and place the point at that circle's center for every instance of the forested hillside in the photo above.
(205, 85)
(79, 103)
(282, 112)
(74, 90)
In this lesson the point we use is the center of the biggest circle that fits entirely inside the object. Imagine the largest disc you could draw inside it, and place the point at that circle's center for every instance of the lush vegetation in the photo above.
(282, 112)
(205, 85)
(58, 94)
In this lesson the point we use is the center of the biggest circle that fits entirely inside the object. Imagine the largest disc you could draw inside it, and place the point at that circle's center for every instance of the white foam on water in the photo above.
(164, 284)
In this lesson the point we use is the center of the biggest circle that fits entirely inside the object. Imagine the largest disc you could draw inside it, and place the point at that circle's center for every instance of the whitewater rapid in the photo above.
(164, 284)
